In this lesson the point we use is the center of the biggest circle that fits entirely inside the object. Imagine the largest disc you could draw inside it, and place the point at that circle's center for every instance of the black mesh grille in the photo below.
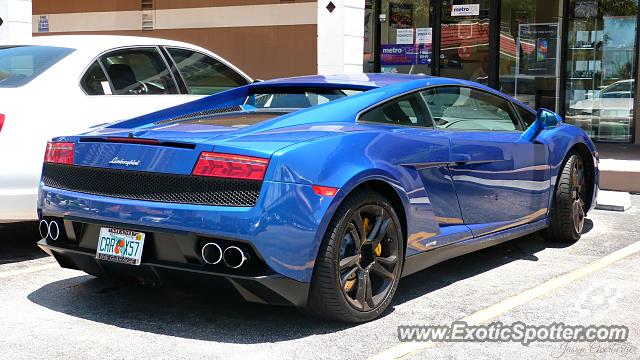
(196, 114)
(150, 186)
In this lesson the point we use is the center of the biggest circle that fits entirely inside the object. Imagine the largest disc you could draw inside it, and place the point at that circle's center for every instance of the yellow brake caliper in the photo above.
(367, 228)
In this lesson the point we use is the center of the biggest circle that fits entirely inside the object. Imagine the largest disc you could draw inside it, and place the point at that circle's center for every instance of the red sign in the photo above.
(464, 52)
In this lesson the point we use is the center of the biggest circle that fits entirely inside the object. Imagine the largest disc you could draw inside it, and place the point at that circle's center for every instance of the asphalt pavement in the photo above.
(49, 312)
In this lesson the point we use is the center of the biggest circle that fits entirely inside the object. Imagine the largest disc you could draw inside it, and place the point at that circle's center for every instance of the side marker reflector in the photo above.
(325, 190)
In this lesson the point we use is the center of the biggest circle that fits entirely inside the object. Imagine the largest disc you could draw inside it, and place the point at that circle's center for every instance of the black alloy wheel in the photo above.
(569, 210)
(359, 262)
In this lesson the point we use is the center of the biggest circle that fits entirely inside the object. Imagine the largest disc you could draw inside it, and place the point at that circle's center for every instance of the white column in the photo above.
(340, 36)
(16, 19)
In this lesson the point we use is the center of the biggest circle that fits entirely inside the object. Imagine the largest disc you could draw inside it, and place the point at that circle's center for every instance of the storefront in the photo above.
(576, 57)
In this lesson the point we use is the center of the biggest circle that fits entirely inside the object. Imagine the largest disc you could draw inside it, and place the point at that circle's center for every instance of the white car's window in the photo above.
(619, 90)
(138, 71)
(94, 81)
(203, 74)
(21, 64)
(462, 108)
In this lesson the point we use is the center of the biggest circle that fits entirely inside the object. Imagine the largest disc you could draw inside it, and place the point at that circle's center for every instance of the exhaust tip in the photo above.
(211, 253)
(43, 229)
(234, 257)
(54, 230)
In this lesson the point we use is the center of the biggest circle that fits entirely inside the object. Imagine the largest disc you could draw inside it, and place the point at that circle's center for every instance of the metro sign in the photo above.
(465, 10)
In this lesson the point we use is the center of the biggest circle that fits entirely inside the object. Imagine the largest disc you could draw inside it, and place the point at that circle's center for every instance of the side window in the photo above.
(525, 115)
(203, 74)
(139, 71)
(405, 110)
(462, 108)
(94, 81)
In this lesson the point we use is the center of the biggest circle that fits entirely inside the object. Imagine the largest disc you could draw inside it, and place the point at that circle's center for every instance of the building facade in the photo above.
(262, 37)
(576, 57)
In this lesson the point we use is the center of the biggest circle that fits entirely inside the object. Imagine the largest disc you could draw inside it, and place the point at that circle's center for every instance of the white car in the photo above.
(57, 85)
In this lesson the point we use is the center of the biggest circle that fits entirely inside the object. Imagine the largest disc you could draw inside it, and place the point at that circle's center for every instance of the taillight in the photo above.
(230, 166)
(59, 153)
(1, 121)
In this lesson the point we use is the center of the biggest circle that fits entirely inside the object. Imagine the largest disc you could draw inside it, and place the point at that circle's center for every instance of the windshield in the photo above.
(21, 64)
(296, 98)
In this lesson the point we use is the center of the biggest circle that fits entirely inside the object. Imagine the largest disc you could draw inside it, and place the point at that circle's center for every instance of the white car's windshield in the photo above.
(21, 64)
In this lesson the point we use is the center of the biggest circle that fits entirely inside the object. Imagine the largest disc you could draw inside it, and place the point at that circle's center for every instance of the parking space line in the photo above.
(407, 349)
(27, 270)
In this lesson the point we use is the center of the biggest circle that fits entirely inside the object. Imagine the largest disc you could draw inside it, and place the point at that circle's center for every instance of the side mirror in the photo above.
(546, 119)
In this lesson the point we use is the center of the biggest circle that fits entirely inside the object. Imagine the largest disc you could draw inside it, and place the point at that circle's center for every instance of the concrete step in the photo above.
(619, 167)
(620, 175)
(613, 200)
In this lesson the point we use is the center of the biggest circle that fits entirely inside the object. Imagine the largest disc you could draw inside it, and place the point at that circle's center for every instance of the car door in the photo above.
(203, 74)
(128, 82)
(501, 181)
(422, 155)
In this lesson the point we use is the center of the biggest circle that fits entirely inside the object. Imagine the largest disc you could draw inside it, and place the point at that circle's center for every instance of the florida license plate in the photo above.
(119, 245)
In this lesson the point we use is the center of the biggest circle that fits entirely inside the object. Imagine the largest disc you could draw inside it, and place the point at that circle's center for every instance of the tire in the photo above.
(369, 277)
(569, 201)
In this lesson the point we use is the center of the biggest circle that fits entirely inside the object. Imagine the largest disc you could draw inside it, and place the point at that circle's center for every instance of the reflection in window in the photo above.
(529, 51)
(465, 42)
(292, 98)
(460, 108)
(406, 36)
(601, 68)
(405, 110)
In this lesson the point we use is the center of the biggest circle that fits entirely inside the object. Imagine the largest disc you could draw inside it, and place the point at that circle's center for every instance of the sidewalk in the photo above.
(619, 167)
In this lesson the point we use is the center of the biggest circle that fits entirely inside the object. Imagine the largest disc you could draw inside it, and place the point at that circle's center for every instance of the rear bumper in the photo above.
(272, 289)
(285, 227)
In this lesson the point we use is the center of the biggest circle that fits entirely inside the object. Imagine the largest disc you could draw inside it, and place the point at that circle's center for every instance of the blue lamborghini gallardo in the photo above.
(318, 192)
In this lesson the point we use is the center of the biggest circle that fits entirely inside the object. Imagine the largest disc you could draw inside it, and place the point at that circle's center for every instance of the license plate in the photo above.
(119, 245)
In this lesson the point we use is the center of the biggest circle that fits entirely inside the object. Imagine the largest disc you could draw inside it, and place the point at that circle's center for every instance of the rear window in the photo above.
(295, 98)
(21, 64)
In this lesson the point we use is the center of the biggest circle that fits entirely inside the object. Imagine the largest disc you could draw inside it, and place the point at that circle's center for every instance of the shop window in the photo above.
(530, 51)
(601, 68)
(464, 44)
(406, 36)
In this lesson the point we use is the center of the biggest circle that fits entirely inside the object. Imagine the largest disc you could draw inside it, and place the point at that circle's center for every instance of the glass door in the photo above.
(368, 59)
(405, 36)
(530, 51)
(601, 68)
(464, 44)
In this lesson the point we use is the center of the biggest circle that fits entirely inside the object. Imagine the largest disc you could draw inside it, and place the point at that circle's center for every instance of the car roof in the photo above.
(96, 42)
(368, 81)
